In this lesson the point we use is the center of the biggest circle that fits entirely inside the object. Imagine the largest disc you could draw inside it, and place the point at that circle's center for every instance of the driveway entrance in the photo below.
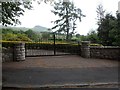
(59, 70)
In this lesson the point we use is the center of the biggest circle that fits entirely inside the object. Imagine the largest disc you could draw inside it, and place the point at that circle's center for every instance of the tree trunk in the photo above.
(67, 24)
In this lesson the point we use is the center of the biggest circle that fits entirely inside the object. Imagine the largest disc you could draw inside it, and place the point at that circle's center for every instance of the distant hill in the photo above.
(15, 28)
(37, 28)
(40, 29)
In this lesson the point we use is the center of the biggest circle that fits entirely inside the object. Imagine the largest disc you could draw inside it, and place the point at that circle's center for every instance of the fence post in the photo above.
(54, 44)
(19, 51)
(85, 49)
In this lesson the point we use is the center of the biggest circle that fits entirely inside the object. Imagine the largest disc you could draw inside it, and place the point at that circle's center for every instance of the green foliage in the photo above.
(109, 27)
(117, 32)
(83, 38)
(15, 37)
(32, 35)
(29, 35)
(109, 30)
(77, 35)
(9, 37)
(46, 36)
(11, 11)
(7, 30)
(93, 37)
(23, 37)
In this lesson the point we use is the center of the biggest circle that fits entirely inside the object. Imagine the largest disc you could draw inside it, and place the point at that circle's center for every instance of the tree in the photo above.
(23, 37)
(109, 30)
(115, 32)
(100, 13)
(83, 38)
(45, 36)
(12, 10)
(9, 37)
(77, 35)
(118, 30)
(68, 14)
(109, 27)
(107, 24)
(93, 37)
(32, 35)
(6, 30)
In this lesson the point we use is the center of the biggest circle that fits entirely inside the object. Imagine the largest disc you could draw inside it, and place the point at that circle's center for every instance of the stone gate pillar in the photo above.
(19, 51)
(85, 49)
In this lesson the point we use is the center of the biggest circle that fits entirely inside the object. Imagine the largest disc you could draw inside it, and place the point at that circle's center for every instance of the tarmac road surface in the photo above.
(54, 71)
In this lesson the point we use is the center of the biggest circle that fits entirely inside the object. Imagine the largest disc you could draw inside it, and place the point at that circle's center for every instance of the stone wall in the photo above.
(16, 53)
(7, 54)
(85, 49)
(105, 52)
(19, 51)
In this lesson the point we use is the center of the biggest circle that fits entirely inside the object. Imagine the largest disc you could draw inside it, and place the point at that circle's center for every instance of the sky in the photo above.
(42, 15)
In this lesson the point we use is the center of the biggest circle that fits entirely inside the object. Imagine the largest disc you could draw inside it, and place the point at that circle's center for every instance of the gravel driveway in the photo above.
(72, 61)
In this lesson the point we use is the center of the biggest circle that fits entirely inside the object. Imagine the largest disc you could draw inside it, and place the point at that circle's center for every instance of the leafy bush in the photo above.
(15, 37)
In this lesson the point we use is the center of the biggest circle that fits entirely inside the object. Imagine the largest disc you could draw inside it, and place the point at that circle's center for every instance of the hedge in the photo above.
(63, 47)
(42, 44)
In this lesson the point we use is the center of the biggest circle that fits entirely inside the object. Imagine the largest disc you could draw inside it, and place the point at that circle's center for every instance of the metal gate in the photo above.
(52, 47)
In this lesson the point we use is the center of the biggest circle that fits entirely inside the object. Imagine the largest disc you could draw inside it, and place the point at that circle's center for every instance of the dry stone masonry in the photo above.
(7, 54)
(19, 52)
(105, 52)
(85, 49)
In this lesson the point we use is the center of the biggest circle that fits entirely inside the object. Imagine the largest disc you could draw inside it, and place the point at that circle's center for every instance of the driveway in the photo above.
(59, 70)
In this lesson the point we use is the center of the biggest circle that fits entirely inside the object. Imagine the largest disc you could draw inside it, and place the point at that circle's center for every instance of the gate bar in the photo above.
(54, 44)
